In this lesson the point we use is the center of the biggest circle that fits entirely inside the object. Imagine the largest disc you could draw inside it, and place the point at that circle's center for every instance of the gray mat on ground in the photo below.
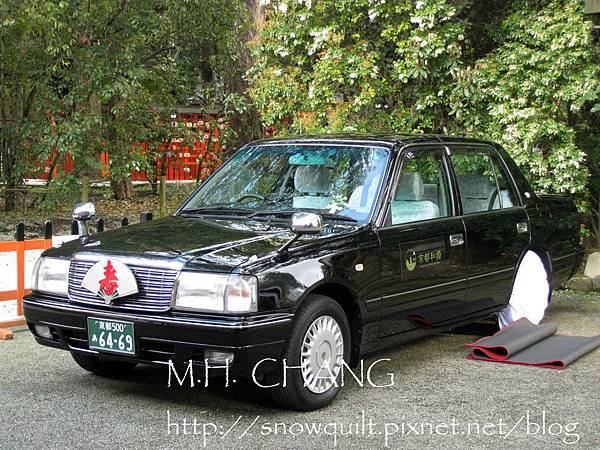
(533, 345)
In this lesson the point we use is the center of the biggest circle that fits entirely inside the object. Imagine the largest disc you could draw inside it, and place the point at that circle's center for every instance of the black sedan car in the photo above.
(299, 256)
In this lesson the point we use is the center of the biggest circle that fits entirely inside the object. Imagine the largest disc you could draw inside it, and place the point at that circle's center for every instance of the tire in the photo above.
(112, 369)
(530, 294)
(328, 326)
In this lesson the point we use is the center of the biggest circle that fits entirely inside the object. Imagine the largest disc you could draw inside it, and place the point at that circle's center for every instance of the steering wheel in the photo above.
(259, 197)
(493, 198)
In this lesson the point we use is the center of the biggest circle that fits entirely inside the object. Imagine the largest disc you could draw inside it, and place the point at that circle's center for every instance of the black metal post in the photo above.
(47, 229)
(20, 234)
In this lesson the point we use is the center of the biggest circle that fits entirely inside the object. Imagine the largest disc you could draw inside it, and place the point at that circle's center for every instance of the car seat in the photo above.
(313, 183)
(475, 192)
(409, 206)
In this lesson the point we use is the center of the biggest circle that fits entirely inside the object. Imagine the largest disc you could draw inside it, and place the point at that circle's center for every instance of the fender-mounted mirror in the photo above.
(307, 223)
(303, 223)
(82, 213)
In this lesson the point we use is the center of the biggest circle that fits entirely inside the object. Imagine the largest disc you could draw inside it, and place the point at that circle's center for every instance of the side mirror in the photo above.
(307, 223)
(302, 223)
(82, 213)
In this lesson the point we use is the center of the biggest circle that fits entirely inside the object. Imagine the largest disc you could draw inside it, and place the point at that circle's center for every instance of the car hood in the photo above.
(213, 244)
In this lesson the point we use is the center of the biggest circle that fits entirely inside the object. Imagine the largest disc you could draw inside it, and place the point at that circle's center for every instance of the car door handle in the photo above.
(522, 227)
(456, 239)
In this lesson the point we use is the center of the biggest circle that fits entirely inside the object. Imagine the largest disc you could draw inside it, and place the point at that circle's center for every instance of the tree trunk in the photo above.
(248, 124)
(122, 189)
(10, 191)
(153, 181)
(597, 220)
(162, 199)
(85, 189)
(10, 194)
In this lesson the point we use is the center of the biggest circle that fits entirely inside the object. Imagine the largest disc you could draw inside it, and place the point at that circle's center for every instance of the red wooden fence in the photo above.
(182, 161)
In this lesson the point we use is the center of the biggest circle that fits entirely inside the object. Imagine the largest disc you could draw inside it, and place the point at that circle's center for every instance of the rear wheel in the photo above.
(530, 294)
(319, 343)
(93, 364)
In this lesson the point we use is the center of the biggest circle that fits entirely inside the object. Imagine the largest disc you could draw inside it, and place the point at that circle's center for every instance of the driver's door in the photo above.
(423, 252)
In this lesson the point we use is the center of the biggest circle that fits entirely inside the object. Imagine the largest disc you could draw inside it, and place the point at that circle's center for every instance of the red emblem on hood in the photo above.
(109, 284)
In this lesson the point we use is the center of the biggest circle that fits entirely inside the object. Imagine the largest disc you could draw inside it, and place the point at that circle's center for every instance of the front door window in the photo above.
(422, 191)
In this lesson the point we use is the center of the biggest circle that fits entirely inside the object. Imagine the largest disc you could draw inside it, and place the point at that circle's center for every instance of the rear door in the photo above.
(497, 225)
(422, 246)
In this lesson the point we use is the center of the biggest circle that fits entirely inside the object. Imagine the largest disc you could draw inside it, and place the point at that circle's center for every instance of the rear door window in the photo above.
(507, 197)
(482, 182)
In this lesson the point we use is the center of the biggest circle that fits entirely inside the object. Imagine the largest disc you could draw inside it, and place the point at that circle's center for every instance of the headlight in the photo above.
(216, 292)
(51, 275)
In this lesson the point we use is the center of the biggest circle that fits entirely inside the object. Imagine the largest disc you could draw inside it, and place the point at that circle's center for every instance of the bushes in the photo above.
(526, 77)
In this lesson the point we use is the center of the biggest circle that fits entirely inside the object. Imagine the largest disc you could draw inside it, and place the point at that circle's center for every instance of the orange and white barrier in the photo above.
(17, 259)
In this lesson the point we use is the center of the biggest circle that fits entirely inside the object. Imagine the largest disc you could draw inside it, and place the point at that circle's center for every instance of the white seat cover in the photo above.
(529, 297)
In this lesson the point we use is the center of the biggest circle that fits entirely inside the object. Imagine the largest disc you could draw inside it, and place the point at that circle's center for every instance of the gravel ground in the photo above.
(49, 402)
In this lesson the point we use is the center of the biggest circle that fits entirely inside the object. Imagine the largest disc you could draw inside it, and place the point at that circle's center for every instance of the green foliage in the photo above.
(357, 65)
(526, 78)
(62, 191)
(530, 93)
(82, 77)
(26, 50)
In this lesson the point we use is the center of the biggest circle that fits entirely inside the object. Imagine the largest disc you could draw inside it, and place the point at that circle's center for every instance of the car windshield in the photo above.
(338, 181)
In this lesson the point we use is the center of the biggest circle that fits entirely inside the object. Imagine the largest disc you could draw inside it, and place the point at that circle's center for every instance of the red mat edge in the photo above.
(562, 365)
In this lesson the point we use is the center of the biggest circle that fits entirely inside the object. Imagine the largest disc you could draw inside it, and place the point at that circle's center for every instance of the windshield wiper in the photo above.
(339, 217)
(253, 214)
(218, 209)
(289, 212)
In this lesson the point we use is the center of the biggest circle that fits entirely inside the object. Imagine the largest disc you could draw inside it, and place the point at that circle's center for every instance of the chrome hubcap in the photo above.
(322, 354)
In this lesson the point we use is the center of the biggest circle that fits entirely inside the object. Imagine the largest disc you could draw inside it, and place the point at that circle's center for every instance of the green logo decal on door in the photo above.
(424, 257)
(410, 259)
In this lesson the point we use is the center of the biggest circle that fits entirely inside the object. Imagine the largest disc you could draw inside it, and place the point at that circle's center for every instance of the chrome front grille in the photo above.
(155, 288)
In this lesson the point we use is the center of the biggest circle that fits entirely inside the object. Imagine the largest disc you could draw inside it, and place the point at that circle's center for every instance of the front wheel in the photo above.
(319, 343)
(93, 364)
(530, 294)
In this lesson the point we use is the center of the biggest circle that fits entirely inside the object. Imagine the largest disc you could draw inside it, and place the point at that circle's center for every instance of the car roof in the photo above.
(388, 140)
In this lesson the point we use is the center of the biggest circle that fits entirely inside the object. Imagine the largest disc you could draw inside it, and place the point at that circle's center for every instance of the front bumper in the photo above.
(166, 337)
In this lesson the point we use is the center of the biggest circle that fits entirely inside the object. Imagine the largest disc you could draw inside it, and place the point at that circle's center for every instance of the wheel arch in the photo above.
(341, 293)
